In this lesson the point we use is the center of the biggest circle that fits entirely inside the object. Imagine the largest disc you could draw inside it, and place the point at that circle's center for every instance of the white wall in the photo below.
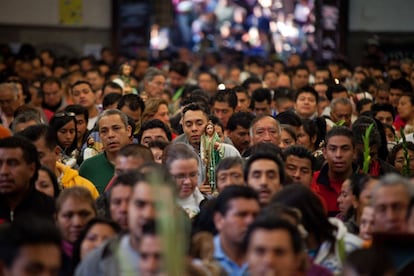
(96, 13)
(381, 15)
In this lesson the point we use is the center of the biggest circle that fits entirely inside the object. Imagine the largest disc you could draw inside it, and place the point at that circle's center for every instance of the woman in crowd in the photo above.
(287, 137)
(75, 207)
(328, 240)
(397, 159)
(47, 182)
(183, 164)
(96, 232)
(64, 125)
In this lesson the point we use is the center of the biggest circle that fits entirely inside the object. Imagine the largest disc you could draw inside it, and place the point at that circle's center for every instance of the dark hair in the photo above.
(360, 104)
(314, 216)
(268, 155)
(154, 123)
(76, 258)
(289, 118)
(179, 67)
(240, 89)
(242, 119)
(26, 232)
(29, 152)
(50, 80)
(284, 93)
(375, 108)
(58, 121)
(34, 133)
(113, 85)
(228, 163)
(78, 110)
(195, 107)
(371, 261)
(396, 149)
(359, 127)
(307, 89)
(334, 89)
(271, 222)
(233, 192)
(300, 152)
(110, 99)
(228, 96)
(251, 80)
(358, 183)
(53, 179)
(261, 95)
(299, 67)
(401, 84)
(79, 82)
(339, 131)
(136, 151)
(315, 127)
(132, 101)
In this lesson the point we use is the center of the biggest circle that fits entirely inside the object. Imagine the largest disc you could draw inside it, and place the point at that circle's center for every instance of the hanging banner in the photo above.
(331, 26)
(70, 12)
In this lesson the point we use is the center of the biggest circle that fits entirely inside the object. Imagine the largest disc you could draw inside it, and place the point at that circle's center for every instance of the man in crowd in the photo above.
(19, 163)
(264, 172)
(224, 104)
(339, 152)
(44, 139)
(390, 200)
(298, 164)
(114, 133)
(30, 247)
(274, 247)
(229, 172)
(9, 102)
(265, 129)
(235, 210)
(84, 95)
(153, 130)
(238, 130)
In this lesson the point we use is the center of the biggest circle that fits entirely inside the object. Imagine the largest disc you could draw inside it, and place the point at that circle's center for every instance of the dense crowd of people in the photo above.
(190, 166)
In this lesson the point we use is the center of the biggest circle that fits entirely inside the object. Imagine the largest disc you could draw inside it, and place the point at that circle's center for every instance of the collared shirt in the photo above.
(229, 266)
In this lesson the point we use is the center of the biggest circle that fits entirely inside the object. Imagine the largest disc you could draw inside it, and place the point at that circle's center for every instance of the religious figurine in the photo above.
(125, 80)
(93, 148)
(211, 152)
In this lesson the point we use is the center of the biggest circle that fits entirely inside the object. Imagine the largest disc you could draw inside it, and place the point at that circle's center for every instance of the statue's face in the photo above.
(210, 129)
(126, 70)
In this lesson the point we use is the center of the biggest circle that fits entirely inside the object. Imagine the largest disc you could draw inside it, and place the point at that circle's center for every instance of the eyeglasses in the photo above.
(183, 176)
(64, 114)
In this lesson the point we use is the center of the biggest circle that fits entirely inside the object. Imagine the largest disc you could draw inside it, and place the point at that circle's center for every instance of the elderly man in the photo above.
(265, 129)
(390, 199)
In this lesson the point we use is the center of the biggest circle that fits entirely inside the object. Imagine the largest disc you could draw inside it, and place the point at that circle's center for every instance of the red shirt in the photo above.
(328, 189)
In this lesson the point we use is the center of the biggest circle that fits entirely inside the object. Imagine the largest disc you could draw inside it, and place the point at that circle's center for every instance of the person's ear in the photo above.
(218, 220)
(57, 151)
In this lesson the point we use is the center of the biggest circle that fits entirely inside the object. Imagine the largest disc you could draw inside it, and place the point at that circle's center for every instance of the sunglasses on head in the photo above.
(64, 114)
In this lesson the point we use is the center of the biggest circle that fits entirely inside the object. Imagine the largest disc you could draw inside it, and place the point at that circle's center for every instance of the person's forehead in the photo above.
(13, 152)
(264, 164)
(113, 119)
(121, 190)
(81, 86)
(306, 94)
(298, 160)
(266, 122)
(234, 168)
(194, 115)
(339, 140)
(154, 131)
